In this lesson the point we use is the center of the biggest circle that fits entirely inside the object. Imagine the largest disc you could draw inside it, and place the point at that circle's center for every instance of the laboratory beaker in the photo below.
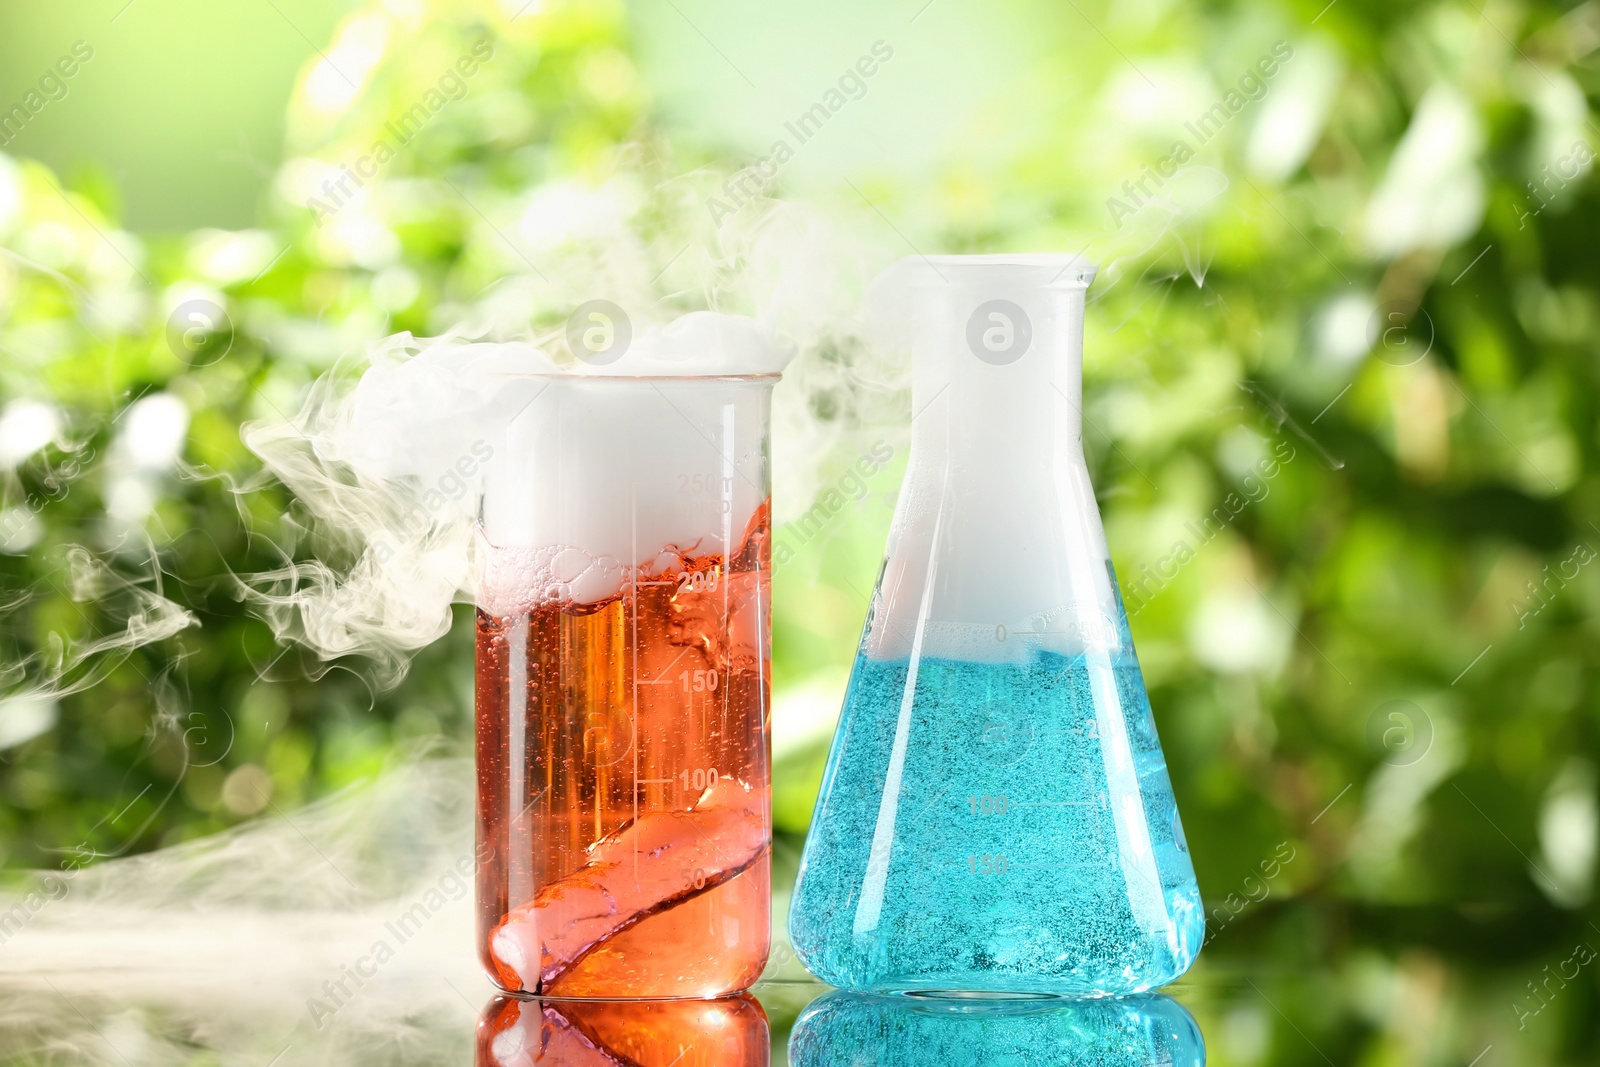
(996, 813)
(623, 652)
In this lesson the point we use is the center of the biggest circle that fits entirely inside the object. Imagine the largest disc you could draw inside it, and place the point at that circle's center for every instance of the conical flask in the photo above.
(996, 814)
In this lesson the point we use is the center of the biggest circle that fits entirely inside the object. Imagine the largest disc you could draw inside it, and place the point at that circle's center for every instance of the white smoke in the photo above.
(1170, 217)
(139, 615)
(341, 932)
(385, 458)
(407, 541)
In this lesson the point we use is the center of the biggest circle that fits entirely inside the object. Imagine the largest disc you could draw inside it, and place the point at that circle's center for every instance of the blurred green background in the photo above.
(1384, 664)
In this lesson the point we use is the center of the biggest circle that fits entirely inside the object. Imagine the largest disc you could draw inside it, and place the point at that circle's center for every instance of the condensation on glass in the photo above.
(996, 813)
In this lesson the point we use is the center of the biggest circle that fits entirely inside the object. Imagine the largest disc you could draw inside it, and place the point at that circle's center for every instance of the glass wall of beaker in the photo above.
(623, 662)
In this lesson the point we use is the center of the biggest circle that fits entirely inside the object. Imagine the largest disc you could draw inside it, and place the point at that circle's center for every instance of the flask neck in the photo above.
(996, 345)
(1002, 376)
(997, 531)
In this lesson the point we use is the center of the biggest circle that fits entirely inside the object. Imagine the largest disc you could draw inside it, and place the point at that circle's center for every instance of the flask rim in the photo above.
(1052, 270)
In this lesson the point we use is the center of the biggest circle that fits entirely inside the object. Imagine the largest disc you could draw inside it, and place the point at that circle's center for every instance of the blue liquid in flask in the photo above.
(1032, 842)
(996, 815)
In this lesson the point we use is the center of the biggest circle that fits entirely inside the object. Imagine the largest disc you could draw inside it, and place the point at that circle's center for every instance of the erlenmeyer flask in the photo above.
(996, 813)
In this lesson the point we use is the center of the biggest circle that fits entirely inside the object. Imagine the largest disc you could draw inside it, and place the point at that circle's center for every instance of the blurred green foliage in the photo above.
(1383, 662)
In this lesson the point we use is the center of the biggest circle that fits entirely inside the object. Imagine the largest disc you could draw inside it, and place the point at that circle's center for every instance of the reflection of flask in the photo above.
(731, 1032)
(906, 1032)
(622, 687)
(996, 812)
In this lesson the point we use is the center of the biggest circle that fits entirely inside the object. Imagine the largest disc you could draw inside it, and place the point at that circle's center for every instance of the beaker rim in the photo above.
(570, 375)
(1068, 270)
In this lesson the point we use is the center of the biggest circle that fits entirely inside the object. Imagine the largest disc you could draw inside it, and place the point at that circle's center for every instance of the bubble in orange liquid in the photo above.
(624, 793)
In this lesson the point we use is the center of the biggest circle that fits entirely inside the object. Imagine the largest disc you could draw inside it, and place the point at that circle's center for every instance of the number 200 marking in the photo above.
(699, 581)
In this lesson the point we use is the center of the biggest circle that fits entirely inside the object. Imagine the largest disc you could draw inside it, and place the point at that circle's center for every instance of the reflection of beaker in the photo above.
(900, 1031)
(731, 1032)
(622, 688)
(996, 813)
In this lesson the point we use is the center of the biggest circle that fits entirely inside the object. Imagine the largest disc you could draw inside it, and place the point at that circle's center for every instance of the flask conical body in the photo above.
(996, 814)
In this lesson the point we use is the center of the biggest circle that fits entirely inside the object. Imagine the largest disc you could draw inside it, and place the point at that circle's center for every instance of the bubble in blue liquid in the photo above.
(1011, 827)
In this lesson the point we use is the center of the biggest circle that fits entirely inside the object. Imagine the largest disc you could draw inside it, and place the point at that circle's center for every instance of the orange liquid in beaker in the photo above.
(624, 794)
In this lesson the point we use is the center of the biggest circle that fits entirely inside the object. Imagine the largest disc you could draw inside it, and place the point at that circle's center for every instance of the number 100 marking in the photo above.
(699, 778)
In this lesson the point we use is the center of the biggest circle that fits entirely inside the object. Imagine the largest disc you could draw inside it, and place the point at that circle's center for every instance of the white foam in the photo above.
(597, 480)
(589, 474)
(380, 458)
(515, 580)
(699, 343)
(423, 402)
